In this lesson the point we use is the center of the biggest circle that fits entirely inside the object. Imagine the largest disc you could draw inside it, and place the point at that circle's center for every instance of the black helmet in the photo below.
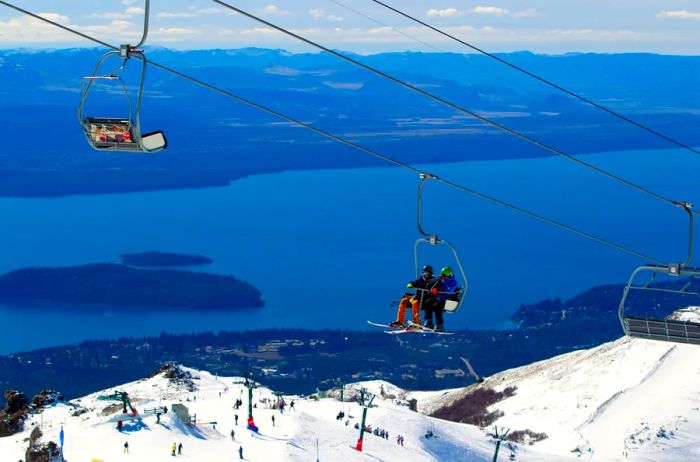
(428, 269)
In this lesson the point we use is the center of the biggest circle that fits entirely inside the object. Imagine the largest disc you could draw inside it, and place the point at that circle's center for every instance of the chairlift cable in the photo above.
(541, 79)
(452, 105)
(388, 26)
(359, 147)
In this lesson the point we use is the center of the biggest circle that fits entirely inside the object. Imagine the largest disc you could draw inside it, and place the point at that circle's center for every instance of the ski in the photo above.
(417, 330)
(376, 324)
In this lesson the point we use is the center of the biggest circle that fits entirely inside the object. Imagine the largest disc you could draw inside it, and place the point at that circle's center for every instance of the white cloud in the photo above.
(165, 14)
(174, 31)
(529, 13)
(135, 10)
(274, 10)
(108, 15)
(318, 13)
(54, 17)
(489, 10)
(444, 13)
(679, 14)
(264, 31)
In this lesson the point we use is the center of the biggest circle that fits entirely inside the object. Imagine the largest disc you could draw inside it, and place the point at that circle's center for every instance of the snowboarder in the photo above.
(174, 448)
(240, 452)
(422, 296)
(126, 447)
(445, 289)
(179, 449)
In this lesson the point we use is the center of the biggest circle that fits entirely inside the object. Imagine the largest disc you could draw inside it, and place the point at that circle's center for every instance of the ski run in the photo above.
(631, 399)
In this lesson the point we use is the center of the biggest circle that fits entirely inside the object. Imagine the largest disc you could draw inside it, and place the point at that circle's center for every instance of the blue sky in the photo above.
(546, 26)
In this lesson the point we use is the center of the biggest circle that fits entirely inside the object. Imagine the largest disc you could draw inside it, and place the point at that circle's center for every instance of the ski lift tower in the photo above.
(365, 400)
(500, 434)
(341, 387)
(250, 385)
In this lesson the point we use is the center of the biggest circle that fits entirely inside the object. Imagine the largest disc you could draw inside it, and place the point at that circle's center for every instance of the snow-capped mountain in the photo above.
(631, 399)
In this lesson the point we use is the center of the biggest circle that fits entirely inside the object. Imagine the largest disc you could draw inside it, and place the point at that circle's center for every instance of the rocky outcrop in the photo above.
(41, 452)
(177, 375)
(46, 398)
(13, 415)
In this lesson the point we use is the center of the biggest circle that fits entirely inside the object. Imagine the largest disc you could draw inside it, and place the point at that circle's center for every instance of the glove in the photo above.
(409, 285)
(434, 290)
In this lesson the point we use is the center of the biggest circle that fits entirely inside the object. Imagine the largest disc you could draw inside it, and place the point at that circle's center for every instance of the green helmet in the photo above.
(447, 271)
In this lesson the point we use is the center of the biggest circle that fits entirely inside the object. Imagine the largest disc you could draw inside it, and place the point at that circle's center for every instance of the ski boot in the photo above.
(440, 328)
(429, 325)
(397, 325)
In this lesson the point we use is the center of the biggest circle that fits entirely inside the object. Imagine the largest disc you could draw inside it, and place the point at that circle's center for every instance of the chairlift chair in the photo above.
(451, 305)
(120, 133)
(655, 328)
(665, 329)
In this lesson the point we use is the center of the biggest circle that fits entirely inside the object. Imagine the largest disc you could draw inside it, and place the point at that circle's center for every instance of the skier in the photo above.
(119, 425)
(422, 296)
(126, 447)
(273, 420)
(179, 449)
(446, 289)
(291, 405)
(235, 417)
(240, 452)
(233, 435)
(174, 448)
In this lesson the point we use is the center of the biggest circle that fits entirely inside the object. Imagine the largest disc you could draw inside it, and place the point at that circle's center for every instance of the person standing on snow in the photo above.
(422, 296)
(179, 449)
(174, 448)
(240, 452)
(126, 447)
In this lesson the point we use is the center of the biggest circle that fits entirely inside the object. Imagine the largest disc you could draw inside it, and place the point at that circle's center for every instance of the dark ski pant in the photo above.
(437, 307)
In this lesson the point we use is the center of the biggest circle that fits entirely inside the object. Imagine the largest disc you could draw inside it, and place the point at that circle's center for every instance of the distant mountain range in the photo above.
(214, 140)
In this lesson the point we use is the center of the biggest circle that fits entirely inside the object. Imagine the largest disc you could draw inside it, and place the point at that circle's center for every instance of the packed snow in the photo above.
(632, 399)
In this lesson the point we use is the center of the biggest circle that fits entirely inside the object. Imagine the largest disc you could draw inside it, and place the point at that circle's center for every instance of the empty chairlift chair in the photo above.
(673, 327)
(672, 308)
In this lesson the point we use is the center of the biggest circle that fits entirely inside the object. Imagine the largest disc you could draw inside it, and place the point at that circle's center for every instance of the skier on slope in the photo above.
(422, 296)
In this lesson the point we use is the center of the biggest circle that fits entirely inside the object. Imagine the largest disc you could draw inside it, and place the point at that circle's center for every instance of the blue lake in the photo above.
(333, 248)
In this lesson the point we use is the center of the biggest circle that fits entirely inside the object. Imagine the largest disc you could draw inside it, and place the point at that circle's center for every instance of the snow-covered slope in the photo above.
(631, 399)
(94, 434)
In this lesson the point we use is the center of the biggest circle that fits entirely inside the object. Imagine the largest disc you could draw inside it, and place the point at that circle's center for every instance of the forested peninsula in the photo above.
(82, 287)
(154, 259)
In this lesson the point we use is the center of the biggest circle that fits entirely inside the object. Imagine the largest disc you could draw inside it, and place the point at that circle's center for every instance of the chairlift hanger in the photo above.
(663, 329)
(120, 133)
(451, 306)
